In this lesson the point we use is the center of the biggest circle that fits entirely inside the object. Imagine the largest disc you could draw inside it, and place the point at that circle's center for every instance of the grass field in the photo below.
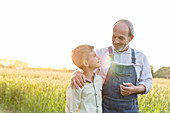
(30, 91)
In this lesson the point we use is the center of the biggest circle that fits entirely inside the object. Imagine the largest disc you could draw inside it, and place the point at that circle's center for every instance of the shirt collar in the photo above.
(93, 77)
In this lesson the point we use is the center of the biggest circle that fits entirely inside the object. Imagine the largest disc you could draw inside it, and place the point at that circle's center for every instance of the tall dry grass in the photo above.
(30, 91)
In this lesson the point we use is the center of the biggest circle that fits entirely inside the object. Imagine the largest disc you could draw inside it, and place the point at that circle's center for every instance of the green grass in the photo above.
(30, 91)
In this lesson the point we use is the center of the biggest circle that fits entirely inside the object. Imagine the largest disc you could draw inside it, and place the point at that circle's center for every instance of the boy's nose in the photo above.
(98, 57)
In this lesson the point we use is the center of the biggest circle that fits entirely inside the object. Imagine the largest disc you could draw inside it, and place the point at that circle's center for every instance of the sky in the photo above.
(43, 32)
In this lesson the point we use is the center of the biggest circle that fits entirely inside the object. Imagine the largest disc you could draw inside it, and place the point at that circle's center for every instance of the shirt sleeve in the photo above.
(145, 76)
(73, 98)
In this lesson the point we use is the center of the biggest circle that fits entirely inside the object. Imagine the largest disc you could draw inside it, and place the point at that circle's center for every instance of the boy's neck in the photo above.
(89, 74)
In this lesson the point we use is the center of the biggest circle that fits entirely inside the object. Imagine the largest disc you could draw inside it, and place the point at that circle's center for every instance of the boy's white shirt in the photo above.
(83, 99)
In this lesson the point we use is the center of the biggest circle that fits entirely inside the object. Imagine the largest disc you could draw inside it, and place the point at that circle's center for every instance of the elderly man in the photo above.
(126, 72)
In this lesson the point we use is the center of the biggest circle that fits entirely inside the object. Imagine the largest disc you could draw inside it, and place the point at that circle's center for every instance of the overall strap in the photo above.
(133, 56)
(111, 55)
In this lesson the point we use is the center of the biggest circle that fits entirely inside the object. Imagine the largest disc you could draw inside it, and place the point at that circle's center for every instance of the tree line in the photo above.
(162, 72)
(17, 64)
(13, 63)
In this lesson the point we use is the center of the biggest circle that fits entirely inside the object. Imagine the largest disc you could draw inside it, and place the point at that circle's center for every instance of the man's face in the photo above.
(120, 36)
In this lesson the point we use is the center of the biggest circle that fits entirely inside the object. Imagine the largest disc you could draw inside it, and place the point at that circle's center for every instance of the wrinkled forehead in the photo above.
(120, 28)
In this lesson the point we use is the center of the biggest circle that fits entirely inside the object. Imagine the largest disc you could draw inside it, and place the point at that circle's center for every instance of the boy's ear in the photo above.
(85, 63)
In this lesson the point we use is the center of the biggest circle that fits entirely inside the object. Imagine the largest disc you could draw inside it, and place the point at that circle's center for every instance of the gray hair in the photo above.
(129, 24)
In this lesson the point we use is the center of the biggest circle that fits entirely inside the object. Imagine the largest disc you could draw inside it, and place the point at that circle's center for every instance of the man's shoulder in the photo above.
(102, 50)
(139, 53)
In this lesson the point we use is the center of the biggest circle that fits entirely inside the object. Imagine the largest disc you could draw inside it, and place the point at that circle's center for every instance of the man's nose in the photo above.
(116, 41)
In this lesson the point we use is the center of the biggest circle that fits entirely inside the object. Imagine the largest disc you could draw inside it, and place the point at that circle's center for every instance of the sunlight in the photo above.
(44, 37)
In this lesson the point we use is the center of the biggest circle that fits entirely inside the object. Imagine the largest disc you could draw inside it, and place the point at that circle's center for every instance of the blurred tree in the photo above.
(162, 71)
(4, 62)
(65, 68)
(25, 65)
(152, 70)
(18, 63)
(10, 63)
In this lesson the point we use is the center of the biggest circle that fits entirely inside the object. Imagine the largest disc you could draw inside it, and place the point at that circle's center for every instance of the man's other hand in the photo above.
(127, 89)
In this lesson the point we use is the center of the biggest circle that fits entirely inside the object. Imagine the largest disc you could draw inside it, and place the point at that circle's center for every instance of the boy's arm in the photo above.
(73, 97)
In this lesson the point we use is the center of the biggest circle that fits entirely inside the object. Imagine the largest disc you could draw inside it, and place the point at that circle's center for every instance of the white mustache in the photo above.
(122, 48)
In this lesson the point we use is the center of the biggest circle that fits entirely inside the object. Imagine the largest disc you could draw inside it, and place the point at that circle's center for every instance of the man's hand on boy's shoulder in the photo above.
(78, 79)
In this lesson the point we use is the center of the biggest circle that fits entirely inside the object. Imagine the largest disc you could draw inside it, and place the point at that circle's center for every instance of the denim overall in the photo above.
(113, 101)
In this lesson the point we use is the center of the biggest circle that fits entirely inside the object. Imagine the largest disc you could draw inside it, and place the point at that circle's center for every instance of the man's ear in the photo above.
(85, 63)
(131, 38)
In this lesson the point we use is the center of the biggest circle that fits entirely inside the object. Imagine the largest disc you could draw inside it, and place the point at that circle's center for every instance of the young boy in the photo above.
(89, 98)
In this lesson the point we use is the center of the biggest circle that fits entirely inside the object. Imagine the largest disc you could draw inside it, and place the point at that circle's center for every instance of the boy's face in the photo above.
(93, 60)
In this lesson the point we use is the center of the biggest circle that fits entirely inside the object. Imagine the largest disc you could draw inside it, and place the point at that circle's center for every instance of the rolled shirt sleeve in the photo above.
(145, 76)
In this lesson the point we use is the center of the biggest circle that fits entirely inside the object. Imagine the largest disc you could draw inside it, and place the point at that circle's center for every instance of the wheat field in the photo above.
(33, 91)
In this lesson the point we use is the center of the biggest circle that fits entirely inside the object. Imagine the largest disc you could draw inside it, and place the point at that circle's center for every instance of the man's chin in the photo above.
(118, 49)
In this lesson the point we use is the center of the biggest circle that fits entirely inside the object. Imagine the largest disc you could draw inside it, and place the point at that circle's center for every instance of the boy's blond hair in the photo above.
(80, 53)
